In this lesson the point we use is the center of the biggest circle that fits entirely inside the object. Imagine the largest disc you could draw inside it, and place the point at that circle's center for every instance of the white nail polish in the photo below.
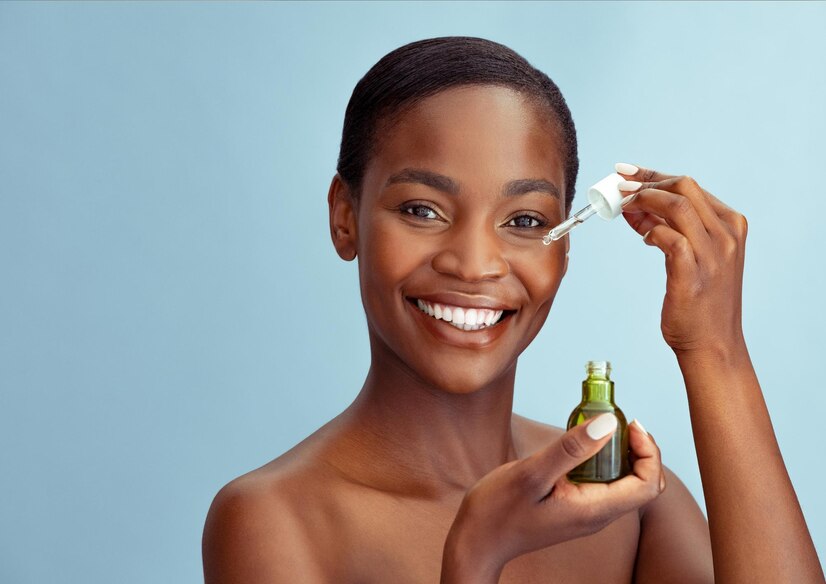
(629, 199)
(629, 185)
(640, 426)
(602, 425)
(625, 168)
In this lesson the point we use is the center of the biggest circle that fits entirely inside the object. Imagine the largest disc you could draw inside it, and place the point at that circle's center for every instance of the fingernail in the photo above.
(625, 168)
(602, 425)
(640, 426)
(629, 185)
(628, 200)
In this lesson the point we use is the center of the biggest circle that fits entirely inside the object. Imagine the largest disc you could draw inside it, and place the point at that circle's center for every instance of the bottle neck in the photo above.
(598, 388)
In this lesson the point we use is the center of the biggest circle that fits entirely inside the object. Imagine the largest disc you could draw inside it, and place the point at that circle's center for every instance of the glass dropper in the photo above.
(605, 201)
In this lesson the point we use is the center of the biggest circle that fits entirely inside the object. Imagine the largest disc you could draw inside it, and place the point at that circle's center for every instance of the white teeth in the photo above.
(458, 315)
(470, 319)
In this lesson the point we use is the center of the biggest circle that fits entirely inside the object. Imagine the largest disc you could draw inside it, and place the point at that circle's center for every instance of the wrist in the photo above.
(727, 354)
(466, 562)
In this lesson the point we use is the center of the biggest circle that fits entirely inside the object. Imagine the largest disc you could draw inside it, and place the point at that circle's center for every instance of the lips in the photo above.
(478, 336)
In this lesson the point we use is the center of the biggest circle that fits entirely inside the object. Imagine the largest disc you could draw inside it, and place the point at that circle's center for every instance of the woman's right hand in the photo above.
(529, 504)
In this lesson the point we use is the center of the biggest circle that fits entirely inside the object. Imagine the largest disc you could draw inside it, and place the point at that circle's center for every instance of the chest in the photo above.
(402, 543)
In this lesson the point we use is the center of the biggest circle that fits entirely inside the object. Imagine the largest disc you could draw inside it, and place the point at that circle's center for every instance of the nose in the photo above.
(471, 253)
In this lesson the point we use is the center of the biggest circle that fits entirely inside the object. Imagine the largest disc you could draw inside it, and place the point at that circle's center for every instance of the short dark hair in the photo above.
(423, 68)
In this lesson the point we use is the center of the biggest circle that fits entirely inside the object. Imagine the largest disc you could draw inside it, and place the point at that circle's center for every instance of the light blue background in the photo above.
(173, 314)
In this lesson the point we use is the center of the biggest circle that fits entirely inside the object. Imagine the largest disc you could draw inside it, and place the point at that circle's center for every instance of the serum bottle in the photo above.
(610, 463)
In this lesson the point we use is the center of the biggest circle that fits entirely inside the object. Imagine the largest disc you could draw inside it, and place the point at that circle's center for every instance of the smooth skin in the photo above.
(428, 475)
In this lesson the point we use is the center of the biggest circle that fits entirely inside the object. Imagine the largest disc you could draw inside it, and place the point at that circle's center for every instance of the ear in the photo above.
(343, 225)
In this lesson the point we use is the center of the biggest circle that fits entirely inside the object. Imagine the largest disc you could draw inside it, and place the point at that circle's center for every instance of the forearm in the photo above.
(758, 533)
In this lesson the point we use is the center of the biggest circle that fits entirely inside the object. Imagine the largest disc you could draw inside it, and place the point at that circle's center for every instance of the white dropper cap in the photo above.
(605, 200)
(606, 197)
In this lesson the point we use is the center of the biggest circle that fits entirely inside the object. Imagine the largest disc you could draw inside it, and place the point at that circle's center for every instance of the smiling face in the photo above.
(450, 221)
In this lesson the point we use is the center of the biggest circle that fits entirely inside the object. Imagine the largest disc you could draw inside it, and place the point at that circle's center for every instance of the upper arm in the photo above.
(251, 536)
(675, 546)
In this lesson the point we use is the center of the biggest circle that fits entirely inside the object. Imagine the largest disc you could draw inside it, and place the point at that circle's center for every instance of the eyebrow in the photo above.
(448, 185)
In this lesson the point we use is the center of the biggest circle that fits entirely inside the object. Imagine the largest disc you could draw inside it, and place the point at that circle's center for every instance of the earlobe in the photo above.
(343, 225)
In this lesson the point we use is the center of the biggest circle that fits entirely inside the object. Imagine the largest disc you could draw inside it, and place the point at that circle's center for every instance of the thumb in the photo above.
(569, 451)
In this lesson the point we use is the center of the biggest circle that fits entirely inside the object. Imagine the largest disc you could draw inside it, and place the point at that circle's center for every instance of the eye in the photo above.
(526, 222)
(419, 210)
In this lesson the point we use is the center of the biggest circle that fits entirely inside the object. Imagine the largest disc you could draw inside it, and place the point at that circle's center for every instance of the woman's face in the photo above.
(452, 213)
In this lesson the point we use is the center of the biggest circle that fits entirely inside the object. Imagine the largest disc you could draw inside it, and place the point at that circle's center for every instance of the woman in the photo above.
(456, 157)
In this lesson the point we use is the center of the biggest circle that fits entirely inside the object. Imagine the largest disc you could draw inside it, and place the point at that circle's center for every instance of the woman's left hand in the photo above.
(704, 245)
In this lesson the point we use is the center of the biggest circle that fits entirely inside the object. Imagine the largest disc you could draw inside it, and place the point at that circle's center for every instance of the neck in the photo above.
(598, 389)
(408, 435)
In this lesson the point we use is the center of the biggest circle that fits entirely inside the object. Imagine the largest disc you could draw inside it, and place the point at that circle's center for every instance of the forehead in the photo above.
(479, 135)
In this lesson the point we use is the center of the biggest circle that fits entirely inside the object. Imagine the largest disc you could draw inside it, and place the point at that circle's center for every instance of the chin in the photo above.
(465, 382)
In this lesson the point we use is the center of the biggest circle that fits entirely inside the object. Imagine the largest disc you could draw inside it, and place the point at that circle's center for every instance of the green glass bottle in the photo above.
(610, 463)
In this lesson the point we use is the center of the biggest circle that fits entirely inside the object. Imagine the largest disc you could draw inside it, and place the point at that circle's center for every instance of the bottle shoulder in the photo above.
(590, 409)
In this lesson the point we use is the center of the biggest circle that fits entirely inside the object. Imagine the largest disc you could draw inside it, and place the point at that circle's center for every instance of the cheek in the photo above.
(393, 252)
(541, 272)
(387, 257)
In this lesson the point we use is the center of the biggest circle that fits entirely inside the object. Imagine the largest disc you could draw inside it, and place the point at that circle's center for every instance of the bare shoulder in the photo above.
(258, 525)
(674, 538)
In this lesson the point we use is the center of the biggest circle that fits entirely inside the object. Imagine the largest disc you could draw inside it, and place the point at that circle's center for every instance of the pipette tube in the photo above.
(577, 219)
(573, 221)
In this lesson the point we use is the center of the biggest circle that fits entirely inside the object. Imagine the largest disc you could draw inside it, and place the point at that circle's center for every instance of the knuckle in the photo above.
(679, 246)
(648, 175)
(680, 205)
(572, 446)
(741, 226)
(663, 229)
(730, 246)
(696, 288)
(529, 478)
(689, 182)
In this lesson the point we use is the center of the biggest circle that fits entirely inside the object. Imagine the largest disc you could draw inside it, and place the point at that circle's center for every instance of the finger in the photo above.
(648, 463)
(644, 443)
(542, 469)
(634, 490)
(719, 206)
(678, 212)
(610, 500)
(659, 452)
(738, 226)
(703, 201)
(680, 261)
(638, 173)
(642, 222)
(640, 442)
